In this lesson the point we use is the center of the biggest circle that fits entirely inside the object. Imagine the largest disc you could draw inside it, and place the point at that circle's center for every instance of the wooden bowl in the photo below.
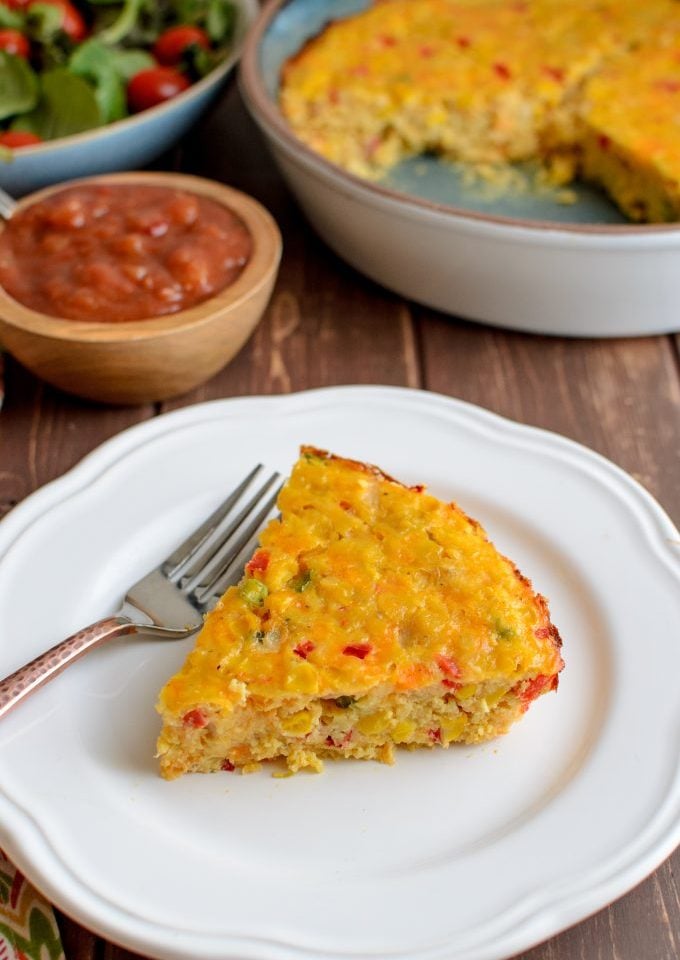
(147, 360)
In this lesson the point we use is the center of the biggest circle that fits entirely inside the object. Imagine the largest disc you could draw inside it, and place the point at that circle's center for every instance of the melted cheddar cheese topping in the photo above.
(361, 583)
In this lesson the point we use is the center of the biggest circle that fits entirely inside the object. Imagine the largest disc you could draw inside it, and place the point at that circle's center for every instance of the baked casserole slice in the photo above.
(372, 615)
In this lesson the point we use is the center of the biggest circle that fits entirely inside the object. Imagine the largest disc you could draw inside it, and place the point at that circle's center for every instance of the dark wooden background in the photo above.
(327, 325)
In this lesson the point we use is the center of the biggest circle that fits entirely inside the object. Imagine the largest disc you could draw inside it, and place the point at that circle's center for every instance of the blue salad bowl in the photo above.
(126, 144)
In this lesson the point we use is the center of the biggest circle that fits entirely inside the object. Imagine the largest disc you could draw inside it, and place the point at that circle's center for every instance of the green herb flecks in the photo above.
(503, 631)
(302, 581)
(253, 591)
(344, 702)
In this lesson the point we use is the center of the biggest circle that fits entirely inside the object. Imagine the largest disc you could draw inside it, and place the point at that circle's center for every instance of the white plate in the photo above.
(472, 853)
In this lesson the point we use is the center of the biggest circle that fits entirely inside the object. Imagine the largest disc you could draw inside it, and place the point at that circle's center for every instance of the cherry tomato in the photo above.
(18, 138)
(72, 22)
(153, 86)
(11, 41)
(171, 44)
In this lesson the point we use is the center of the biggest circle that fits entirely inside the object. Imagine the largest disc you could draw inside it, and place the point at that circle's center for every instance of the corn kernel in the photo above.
(453, 727)
(403, 731)
(301, 677)
(298, 723)
(491, 699)
(374, 723)
(464, 693)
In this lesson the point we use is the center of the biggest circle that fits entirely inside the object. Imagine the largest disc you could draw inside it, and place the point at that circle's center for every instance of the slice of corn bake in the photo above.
(371, 615)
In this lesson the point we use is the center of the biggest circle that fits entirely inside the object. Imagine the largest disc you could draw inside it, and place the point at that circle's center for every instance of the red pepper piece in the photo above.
(668, 86)
(435, 735)
(604, 142)
(555, 73)
(463, 42)
(502, 70)
(359, 650)
(448, 667)
(330, 742)
(531, 689)
(228, 766)
(194, 718)
(258, 563)
(303, 649)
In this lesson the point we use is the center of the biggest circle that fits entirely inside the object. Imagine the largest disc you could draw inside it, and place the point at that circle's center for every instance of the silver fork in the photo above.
(170, 601)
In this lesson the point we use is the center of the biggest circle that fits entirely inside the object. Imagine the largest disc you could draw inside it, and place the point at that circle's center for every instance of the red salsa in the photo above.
(121, 252)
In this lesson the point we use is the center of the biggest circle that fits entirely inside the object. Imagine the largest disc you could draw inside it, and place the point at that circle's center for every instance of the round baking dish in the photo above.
(545, 276)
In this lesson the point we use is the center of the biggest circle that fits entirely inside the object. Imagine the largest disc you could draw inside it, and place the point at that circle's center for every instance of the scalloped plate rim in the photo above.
(528, 922)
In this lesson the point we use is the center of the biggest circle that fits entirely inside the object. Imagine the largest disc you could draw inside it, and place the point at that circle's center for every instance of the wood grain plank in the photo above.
(644, 925)
(111, 952)
(43, 432)
(78, 943)
(620, 397)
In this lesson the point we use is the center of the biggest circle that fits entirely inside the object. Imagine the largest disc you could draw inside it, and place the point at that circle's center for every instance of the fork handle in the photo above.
(25, 680)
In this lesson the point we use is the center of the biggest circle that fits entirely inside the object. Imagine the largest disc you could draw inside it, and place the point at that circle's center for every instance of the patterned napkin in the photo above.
(28, 930)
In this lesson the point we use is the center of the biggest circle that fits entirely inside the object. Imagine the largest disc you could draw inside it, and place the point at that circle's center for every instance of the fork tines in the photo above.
(208, 561)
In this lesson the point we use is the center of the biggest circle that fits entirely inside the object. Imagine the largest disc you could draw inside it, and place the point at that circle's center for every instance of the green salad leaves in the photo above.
(18, 86)
(84, 53)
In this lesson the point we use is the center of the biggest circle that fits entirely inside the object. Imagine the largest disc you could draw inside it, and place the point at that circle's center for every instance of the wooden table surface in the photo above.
(327, 325)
